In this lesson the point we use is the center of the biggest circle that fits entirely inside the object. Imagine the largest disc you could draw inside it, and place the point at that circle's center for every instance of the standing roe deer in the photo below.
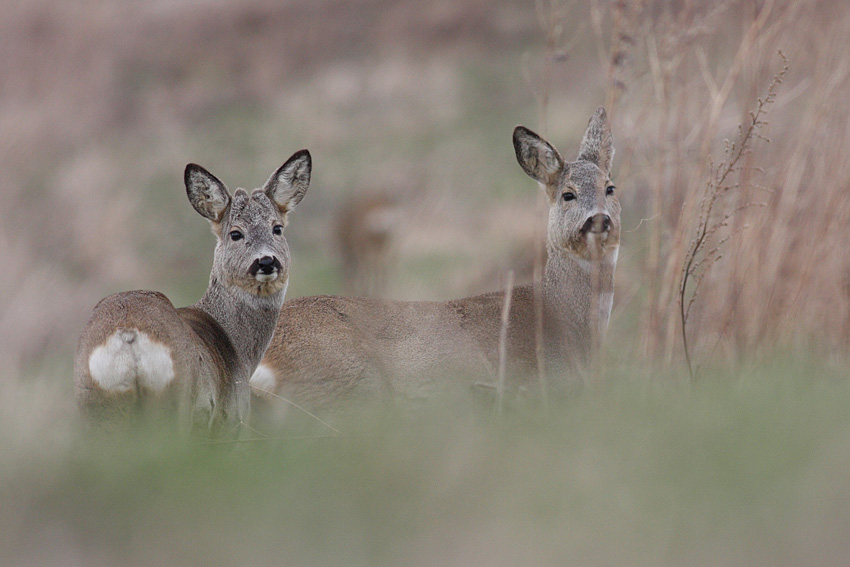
(366, 229)
(327, 347)
(139, 351)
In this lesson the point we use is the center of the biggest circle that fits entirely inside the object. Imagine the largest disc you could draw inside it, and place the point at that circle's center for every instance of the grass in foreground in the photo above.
(739, 470)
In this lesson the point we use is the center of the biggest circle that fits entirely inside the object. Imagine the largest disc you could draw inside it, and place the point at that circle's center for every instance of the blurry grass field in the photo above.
(747, 468)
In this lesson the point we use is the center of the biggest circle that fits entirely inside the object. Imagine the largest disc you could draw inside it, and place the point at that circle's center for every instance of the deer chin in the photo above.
(269, 287)
(591, 245)
(263, 285)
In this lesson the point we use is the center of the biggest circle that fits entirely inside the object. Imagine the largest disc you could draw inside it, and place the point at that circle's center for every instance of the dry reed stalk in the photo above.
(550, 16)
(503, 342)
(539, 354)
(594, 375)
(626, 16)
(661, 80)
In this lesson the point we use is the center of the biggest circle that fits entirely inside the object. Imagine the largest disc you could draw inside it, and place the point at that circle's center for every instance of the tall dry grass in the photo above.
(684, 78)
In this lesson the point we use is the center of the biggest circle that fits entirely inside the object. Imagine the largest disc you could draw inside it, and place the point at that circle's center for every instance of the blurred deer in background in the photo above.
(139, 352)
(366, 230)
(327, 348)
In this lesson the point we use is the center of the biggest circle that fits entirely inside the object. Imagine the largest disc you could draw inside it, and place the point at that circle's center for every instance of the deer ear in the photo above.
(597, 146)
(538, 158)
(207, 194)
(287, 186)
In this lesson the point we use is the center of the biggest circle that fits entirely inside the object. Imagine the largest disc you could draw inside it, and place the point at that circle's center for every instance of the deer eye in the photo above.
(236, 235)
(568, 196)
(609, 190)
(277, 230)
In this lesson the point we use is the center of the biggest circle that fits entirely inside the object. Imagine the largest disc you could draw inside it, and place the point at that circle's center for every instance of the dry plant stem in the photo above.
(595, 369)
(625, 15)
(653, 261)
(722, 94)
(538, 310)
(740, 254)
(699, 257)
(549, 17)
(503, 340)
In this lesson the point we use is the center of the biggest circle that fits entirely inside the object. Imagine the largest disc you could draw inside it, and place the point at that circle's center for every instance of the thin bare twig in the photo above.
(296, 406)
(700, 257)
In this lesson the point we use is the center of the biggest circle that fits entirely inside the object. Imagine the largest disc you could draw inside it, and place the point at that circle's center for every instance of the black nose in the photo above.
(596, 224)
(265, 265)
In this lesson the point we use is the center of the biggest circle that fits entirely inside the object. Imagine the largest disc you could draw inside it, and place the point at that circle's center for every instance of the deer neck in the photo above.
(578, 293)
(248, 319)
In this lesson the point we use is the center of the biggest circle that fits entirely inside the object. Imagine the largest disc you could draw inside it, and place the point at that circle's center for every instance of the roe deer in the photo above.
(138, 351)
(325, 347)
(365, 229)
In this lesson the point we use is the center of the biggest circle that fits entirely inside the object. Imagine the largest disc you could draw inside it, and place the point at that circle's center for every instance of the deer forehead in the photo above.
(584, 176)
(256, 210)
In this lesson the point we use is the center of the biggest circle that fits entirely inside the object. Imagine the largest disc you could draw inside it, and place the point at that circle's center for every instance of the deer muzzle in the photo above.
(265, 269)
(597, 224)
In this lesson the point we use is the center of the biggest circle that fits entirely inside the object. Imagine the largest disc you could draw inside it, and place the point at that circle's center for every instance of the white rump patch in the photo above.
(129, 357)
(263, 379)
